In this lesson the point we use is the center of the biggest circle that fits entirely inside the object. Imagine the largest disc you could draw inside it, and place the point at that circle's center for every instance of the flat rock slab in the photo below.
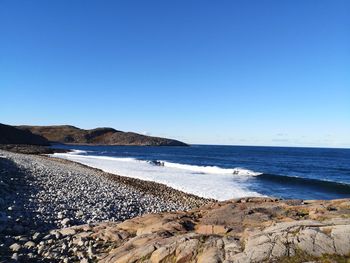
(188, 236)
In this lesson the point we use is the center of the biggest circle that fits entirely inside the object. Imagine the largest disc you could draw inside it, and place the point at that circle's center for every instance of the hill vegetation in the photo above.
(12, 135)
(100, 136)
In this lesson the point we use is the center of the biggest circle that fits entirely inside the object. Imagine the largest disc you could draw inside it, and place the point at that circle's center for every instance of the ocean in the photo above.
(225, 172)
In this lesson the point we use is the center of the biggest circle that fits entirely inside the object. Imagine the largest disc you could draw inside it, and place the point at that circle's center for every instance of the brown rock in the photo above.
(239, 231)
(212, 229)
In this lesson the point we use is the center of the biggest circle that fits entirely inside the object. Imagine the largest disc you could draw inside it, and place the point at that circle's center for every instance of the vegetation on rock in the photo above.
(100, 136)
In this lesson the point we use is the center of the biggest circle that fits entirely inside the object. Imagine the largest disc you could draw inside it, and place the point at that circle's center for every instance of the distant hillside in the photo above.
(100, 136)
(12, 135)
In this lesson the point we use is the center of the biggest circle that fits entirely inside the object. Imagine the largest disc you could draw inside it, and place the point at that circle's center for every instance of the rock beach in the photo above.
(273, 232)
(39, 194)
(59, 211)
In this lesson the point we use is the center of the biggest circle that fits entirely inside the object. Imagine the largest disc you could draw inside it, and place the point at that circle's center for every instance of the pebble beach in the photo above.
(39, 194)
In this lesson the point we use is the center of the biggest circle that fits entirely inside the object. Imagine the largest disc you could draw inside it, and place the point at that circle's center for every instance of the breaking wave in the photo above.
(207, 169)
(197, 180)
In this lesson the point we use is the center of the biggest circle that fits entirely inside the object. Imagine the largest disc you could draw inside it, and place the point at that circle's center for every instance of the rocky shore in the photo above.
(54, 210)
(237, 231)
(39, 194)
(30, 149)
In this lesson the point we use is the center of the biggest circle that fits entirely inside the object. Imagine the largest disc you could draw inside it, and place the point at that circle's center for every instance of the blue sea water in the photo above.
(285, 172)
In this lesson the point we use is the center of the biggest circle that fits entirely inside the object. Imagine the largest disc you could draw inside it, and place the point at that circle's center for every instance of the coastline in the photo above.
(145, 186)
(40, 193)
(56, 210)
(223, 173)
(192, 179)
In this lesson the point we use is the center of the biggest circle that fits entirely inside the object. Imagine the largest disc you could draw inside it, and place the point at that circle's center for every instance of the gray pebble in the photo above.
(39, 194)
(15, 247)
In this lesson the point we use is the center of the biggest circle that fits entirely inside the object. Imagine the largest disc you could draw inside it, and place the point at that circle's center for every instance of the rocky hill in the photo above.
(101, 136)
(12, 135)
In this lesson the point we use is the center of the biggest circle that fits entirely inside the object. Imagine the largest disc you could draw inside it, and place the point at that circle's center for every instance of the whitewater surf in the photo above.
(205, 181)
(224, 172)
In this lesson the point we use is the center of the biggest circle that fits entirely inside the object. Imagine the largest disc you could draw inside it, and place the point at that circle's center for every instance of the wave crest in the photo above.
(77, 152)
(189, 167)
(210, 169)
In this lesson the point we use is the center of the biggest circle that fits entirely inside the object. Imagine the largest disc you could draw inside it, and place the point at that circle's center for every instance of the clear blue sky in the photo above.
(216, 72)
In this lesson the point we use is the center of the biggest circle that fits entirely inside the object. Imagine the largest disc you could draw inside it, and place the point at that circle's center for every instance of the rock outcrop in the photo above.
(12, 135)
(100, 136)
(238, 231)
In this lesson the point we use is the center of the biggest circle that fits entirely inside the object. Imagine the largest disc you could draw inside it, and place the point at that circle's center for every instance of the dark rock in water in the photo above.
(157, 163)
(12, 135)
(100, 136)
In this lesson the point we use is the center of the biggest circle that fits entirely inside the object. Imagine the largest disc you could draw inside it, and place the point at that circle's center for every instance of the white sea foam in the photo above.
(211, 169)
(206, 181)
(78, 152)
